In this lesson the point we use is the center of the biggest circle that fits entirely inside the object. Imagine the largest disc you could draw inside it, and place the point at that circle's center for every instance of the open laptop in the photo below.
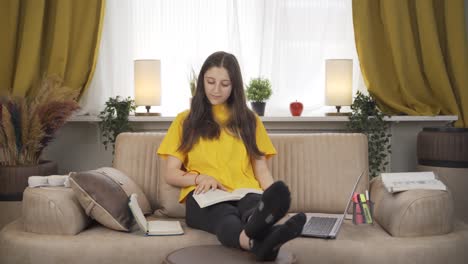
(327, 225)
(153, 228)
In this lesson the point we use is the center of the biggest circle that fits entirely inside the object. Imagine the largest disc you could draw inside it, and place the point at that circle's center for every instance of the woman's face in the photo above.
(217, 85)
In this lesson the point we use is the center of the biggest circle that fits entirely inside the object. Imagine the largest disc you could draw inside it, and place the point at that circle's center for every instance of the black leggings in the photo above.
(226, 220)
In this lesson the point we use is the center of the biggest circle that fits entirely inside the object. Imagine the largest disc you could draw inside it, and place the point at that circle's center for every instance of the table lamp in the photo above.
(338, 83)
(147, 85)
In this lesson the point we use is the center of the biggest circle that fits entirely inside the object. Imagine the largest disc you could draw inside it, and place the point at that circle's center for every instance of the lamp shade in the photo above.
(338, 82)
(147, 82)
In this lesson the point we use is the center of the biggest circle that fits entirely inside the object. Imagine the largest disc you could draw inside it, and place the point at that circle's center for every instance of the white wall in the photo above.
(78, 147)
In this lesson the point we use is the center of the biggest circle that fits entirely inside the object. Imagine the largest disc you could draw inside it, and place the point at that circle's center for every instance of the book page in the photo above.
(241, 192)
(214, 196)
(160, 227)
(426, 185)
(404, 176)
(137, 213)
(396, 182)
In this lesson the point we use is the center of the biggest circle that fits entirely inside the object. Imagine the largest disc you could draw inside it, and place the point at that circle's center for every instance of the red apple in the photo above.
(296, 108)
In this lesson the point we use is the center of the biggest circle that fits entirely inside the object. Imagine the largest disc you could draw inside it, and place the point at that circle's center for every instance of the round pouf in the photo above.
(444, 150)
(219, 254)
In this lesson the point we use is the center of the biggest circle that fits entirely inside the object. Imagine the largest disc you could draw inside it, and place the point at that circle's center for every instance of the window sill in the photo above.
(285, 119)
(281, 124)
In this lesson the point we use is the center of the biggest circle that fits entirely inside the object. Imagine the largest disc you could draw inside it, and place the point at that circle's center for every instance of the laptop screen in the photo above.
(351, 194)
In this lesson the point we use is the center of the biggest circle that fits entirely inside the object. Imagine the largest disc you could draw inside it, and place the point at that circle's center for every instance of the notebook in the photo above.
(153, 228)
(326, 225)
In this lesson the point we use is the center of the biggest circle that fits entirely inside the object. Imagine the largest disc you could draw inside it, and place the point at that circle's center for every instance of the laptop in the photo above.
(326, 225)
(153, 228)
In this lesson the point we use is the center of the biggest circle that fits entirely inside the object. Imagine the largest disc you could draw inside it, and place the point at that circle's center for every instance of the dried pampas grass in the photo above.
(28, 125)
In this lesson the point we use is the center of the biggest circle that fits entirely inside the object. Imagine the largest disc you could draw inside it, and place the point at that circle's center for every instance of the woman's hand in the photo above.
(205, 183)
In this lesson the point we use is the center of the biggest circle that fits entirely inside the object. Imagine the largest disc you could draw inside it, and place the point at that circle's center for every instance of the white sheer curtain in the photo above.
(286, 41)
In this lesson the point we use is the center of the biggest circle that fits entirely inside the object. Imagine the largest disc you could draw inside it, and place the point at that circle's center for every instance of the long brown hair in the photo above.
(200, 121)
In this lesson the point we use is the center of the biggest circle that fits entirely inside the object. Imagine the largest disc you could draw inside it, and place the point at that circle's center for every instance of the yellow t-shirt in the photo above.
(225, 159)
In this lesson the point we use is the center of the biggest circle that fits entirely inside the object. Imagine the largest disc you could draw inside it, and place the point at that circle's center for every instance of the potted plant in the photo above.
(366, 118)
(257, 92)
(193, 78)
(114, 119)
(27, 125)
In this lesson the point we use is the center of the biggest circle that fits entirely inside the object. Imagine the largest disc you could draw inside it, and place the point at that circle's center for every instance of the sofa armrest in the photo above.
(53, 210)
(412, 213)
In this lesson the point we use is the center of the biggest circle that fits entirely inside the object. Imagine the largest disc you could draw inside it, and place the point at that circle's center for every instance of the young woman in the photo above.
(220, 143)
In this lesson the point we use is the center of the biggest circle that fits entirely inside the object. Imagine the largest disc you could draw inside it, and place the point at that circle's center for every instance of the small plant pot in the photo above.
(258, 107)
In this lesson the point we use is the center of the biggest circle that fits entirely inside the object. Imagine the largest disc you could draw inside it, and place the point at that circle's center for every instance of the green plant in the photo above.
(258, 90)
(193, 82)
(366, 118)
(28, 124)
(114, 119)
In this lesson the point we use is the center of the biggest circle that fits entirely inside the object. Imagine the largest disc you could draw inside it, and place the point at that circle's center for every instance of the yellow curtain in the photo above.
(48, 37)
(414, 55)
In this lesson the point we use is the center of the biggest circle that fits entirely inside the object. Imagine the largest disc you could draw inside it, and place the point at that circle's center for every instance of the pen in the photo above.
(365, 207)
(367, 195)
(358, 214)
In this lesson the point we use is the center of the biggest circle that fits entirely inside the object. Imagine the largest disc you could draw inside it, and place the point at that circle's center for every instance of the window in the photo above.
(286, 41)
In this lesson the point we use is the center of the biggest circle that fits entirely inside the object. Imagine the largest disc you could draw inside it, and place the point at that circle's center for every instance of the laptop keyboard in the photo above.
(319, 225)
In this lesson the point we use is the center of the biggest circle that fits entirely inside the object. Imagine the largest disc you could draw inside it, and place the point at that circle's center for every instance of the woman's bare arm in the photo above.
(175, 176)
(262, 173)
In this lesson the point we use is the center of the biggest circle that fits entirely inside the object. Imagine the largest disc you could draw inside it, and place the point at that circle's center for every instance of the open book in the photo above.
(216, 196)
(153, 228)
(403, 181)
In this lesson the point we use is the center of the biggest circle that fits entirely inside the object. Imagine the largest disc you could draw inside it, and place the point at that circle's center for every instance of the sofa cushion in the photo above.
(168, 198)
(412, 213)
(320, 168)
(363, 244)
(303, 160)
(135, 154)
(103, 199)
(53, 210)
(129, 186)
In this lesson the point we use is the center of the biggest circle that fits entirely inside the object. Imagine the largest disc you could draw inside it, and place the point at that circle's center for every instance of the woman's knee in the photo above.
(228, 231)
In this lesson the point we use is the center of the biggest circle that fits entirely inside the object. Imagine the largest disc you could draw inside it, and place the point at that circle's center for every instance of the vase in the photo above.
(258, 107)
(14, 179)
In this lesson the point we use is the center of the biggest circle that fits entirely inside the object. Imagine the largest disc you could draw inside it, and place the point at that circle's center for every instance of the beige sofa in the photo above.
(320, 169)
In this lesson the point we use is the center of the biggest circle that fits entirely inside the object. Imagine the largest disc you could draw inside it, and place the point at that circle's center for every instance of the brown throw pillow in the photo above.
(103, 199)
(129, 187)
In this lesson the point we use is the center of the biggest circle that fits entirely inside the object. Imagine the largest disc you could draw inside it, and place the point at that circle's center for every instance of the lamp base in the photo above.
(147, 114)
(338, 113)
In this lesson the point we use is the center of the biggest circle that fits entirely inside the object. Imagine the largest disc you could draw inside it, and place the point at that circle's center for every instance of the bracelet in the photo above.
(193, 171)
(189, 171)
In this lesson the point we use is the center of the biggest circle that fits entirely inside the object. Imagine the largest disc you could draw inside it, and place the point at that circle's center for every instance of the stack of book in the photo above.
(404, 181)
